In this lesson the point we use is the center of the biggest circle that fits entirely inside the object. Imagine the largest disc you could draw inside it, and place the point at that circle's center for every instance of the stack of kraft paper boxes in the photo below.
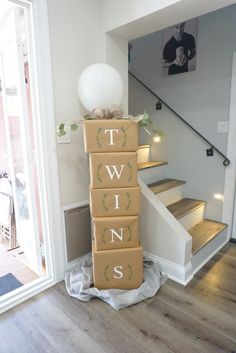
(114, 203)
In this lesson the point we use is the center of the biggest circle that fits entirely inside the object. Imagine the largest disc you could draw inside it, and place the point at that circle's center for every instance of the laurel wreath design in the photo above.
(123, 130)
(98, 173)
(104, 202)
(99, 167)
(130, 172)
(129, 201)
(130, 233)
(106, 273)
(99, 131)
(130, 272)
(103, 236)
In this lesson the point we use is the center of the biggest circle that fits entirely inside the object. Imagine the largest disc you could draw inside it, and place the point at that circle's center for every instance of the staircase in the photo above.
(174, 230)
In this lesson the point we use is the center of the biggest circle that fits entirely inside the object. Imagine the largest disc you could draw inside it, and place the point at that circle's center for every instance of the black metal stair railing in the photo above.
(226, 161)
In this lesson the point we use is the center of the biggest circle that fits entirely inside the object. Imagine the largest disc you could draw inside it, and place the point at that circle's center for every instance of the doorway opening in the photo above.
(22, 257)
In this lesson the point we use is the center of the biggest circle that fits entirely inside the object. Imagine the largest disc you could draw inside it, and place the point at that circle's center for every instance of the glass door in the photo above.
(20, 137)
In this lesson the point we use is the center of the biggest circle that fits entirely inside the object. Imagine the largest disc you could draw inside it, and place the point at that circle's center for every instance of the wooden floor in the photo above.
(199, 318)
(15, 262)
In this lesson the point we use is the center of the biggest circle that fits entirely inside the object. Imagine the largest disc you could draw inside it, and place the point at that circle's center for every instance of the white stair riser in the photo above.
(192, 218)
(172, 195)
(144, 154)
(151, 175)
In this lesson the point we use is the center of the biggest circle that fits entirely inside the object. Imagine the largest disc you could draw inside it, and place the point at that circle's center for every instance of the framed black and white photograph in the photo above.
(179, 48)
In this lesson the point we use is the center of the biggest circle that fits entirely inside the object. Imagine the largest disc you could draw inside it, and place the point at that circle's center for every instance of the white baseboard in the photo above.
(177, 273)
(27, 291)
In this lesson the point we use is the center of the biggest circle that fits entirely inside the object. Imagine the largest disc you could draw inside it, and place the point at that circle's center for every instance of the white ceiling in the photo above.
(181, 11)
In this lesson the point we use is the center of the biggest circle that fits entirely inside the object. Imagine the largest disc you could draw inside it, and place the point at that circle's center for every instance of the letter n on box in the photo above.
(111, 135)
(115, 202)
(113, 169)
(115, 232)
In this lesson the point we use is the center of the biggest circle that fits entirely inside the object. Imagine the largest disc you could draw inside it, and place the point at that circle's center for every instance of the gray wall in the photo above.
(201, 97)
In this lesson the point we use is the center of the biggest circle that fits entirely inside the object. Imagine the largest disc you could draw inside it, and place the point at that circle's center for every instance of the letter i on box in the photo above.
(115, 202)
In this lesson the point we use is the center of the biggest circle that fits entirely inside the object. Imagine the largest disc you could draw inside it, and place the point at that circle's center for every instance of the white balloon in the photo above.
(100, 86)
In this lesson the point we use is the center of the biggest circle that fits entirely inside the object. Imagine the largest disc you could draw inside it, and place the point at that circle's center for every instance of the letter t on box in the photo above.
(120, 135)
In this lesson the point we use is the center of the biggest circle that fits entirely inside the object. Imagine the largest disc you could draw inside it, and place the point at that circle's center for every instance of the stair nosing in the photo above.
(151, 166)
(180, 182)
(144, 146)
(212, 220)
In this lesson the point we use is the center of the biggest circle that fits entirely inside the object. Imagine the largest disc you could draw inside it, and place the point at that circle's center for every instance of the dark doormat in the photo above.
(8, 283)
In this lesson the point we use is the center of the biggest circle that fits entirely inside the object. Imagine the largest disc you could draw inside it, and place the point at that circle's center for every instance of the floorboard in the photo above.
(15, 262)
(198, 318)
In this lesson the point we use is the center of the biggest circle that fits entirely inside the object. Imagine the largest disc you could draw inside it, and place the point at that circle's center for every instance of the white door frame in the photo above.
(42, 88)
(55, 242)
(229, 214)
(29, 241)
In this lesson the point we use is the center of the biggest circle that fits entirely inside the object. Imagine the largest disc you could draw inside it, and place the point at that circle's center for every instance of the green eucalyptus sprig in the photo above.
(148, 126)
(61, 128)
(144, 121)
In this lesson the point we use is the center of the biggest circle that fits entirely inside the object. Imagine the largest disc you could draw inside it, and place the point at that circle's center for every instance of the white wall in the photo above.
(79, 37)
(75, 37)
(201, 97)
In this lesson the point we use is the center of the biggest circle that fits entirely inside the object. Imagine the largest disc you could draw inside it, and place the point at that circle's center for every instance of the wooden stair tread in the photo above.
(146, 165)
(182, 207)
(164, 185)
(143, 146)
(203, 232)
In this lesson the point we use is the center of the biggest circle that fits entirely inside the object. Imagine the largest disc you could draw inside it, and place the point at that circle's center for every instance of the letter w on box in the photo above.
(113, 169)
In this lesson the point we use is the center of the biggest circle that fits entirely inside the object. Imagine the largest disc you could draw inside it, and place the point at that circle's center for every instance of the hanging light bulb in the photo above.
(156, 138)
(219, 197)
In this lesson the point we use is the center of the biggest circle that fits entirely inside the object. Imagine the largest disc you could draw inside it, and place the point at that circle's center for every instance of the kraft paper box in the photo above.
(115, 202)
(121, 269)
(110, 135)
(113, 169)
(115, 232)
